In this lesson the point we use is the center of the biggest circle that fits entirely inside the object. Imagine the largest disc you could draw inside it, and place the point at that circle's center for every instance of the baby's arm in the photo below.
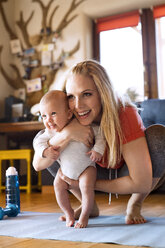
(98, 149)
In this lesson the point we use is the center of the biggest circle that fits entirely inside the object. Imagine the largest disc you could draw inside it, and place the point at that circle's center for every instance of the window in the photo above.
(123, 60)
(121, 53)
(127, 49)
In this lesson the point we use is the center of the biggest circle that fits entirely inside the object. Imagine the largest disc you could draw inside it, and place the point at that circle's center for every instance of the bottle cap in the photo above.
(11, 171)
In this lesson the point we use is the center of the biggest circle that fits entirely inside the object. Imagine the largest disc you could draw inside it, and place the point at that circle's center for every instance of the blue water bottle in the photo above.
(12, 188)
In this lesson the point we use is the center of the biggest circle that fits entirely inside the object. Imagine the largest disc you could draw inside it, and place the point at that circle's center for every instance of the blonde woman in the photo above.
(130, 148)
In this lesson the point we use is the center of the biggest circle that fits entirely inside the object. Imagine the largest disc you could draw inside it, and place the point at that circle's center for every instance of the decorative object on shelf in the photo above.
(36, 52)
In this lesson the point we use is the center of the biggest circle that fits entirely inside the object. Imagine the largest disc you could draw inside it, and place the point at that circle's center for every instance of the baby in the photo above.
(75, 159)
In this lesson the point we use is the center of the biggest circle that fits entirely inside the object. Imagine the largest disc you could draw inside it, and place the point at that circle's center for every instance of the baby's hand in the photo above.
(94, 156)
(52, 152)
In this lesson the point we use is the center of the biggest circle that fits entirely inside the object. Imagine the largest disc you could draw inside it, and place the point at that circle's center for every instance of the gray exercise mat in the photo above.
(102, 229)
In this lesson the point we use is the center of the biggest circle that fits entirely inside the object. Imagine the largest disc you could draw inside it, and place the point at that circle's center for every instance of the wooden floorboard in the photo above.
(46, 202)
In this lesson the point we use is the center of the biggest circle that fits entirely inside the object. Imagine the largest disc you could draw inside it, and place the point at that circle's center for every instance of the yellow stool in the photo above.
(20, 154)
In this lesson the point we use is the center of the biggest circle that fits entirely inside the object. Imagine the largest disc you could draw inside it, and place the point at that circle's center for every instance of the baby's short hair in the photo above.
(54, 94)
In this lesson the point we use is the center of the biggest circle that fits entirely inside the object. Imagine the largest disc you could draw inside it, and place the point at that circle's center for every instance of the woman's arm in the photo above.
(73, 131)
(139, 180)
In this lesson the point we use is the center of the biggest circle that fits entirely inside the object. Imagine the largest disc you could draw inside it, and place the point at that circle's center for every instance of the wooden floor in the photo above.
(154, 205)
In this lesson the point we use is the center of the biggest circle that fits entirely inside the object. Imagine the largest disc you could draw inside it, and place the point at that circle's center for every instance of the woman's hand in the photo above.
(80, 133)
(52, 152)
(73, 131)
(73, 184)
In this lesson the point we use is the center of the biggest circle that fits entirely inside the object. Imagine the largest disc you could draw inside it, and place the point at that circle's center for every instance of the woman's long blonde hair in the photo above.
(110, 123)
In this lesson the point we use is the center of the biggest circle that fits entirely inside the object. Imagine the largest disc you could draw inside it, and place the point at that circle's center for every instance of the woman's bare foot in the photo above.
(77, 212)
(135, 204)
(133, 215)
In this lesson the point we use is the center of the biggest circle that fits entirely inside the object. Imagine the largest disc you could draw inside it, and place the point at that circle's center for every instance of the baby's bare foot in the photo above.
(62, 218)
(77, 212)
(133, 215)
(70, 222)
(69, 218)
(82, 223)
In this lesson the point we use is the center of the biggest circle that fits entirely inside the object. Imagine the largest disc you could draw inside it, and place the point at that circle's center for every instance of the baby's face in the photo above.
(54, 115)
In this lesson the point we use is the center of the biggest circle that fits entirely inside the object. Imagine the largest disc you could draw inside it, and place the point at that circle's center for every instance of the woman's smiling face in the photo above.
(84, 99)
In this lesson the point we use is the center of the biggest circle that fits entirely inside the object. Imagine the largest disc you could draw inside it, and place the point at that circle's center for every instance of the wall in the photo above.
(82, 27)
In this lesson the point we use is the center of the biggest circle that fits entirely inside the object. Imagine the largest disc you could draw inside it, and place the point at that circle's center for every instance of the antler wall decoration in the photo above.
(47, 34)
